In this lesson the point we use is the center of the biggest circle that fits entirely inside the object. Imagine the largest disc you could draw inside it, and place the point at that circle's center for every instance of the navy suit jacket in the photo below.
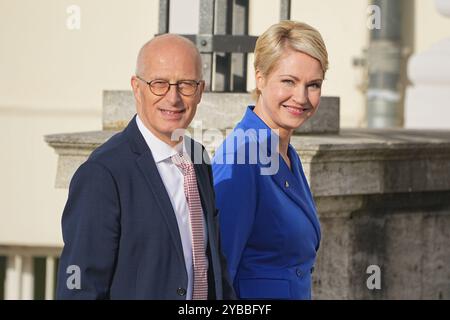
(269, 227)
(120, 230)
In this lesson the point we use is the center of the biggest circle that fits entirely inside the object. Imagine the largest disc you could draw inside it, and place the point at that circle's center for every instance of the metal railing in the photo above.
(223, 40)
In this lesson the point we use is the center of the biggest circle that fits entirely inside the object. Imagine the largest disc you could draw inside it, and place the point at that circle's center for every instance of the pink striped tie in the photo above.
(200, 264)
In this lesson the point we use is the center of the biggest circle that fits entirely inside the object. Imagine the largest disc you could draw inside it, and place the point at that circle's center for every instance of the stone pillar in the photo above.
(427, 100)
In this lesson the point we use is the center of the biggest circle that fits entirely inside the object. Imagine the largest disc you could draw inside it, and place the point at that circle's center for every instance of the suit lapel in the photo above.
(203, 189)
(147, 166)
(195, 152)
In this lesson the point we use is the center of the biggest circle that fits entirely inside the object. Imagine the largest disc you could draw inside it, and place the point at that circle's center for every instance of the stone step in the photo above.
(217, 111)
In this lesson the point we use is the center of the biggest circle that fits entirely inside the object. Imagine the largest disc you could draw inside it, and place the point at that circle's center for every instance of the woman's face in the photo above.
(290, 94)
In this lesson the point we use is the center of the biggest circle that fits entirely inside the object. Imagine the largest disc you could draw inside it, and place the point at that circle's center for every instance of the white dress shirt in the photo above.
(173, 180)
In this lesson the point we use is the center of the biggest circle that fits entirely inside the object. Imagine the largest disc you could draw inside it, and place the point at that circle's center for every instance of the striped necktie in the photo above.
(200, 264)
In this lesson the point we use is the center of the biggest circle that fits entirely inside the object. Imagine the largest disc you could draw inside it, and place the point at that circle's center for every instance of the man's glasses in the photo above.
(160, 87)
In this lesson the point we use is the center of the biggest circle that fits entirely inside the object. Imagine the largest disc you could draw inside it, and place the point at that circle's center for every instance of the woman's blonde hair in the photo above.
(297, 36)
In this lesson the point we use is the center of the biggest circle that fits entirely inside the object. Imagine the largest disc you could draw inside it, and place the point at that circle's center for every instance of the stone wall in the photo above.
(383, 196)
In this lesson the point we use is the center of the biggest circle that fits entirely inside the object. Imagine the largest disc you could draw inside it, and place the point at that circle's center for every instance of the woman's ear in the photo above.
(260, 80)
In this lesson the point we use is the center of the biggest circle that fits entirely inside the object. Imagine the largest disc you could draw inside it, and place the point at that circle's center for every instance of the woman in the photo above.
(269, 227)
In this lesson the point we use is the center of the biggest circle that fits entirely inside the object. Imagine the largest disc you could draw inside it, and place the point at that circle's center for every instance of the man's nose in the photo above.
(173, 96)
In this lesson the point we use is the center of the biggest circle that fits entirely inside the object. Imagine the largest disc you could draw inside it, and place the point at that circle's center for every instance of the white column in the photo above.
(49, 278)
(13, 277)
(426, 102)
(27, 283)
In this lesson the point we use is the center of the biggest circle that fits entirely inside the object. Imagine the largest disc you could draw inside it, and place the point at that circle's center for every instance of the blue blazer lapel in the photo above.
(292, 187)
(147, 166)
(295, 189)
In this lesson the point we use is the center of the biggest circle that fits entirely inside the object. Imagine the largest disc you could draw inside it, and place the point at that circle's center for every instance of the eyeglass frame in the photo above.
(172, 84)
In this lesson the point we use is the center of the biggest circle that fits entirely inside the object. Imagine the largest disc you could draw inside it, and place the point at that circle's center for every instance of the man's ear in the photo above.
(201, 89)
(135, 85)
(260, 80)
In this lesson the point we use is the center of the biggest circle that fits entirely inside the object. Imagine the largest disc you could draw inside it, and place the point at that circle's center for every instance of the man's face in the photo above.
(162, 115)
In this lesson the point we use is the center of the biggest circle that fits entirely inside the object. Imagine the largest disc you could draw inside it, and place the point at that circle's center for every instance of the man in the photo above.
(140, 220)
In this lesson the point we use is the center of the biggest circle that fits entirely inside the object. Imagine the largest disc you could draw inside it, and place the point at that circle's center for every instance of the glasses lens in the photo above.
(159, 87)
(187, 88)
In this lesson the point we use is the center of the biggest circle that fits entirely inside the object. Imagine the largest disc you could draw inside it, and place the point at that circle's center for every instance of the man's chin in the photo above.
(176, 133)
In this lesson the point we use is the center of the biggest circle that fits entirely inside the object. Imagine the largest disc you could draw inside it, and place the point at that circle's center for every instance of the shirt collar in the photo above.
(160, 150)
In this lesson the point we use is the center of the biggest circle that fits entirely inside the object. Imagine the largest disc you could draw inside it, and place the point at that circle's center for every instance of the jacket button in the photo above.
(181, 291)
(299, 272)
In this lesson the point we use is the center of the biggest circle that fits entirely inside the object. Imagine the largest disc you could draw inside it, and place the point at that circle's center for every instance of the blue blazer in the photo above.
(120, 230)
(269, 228)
